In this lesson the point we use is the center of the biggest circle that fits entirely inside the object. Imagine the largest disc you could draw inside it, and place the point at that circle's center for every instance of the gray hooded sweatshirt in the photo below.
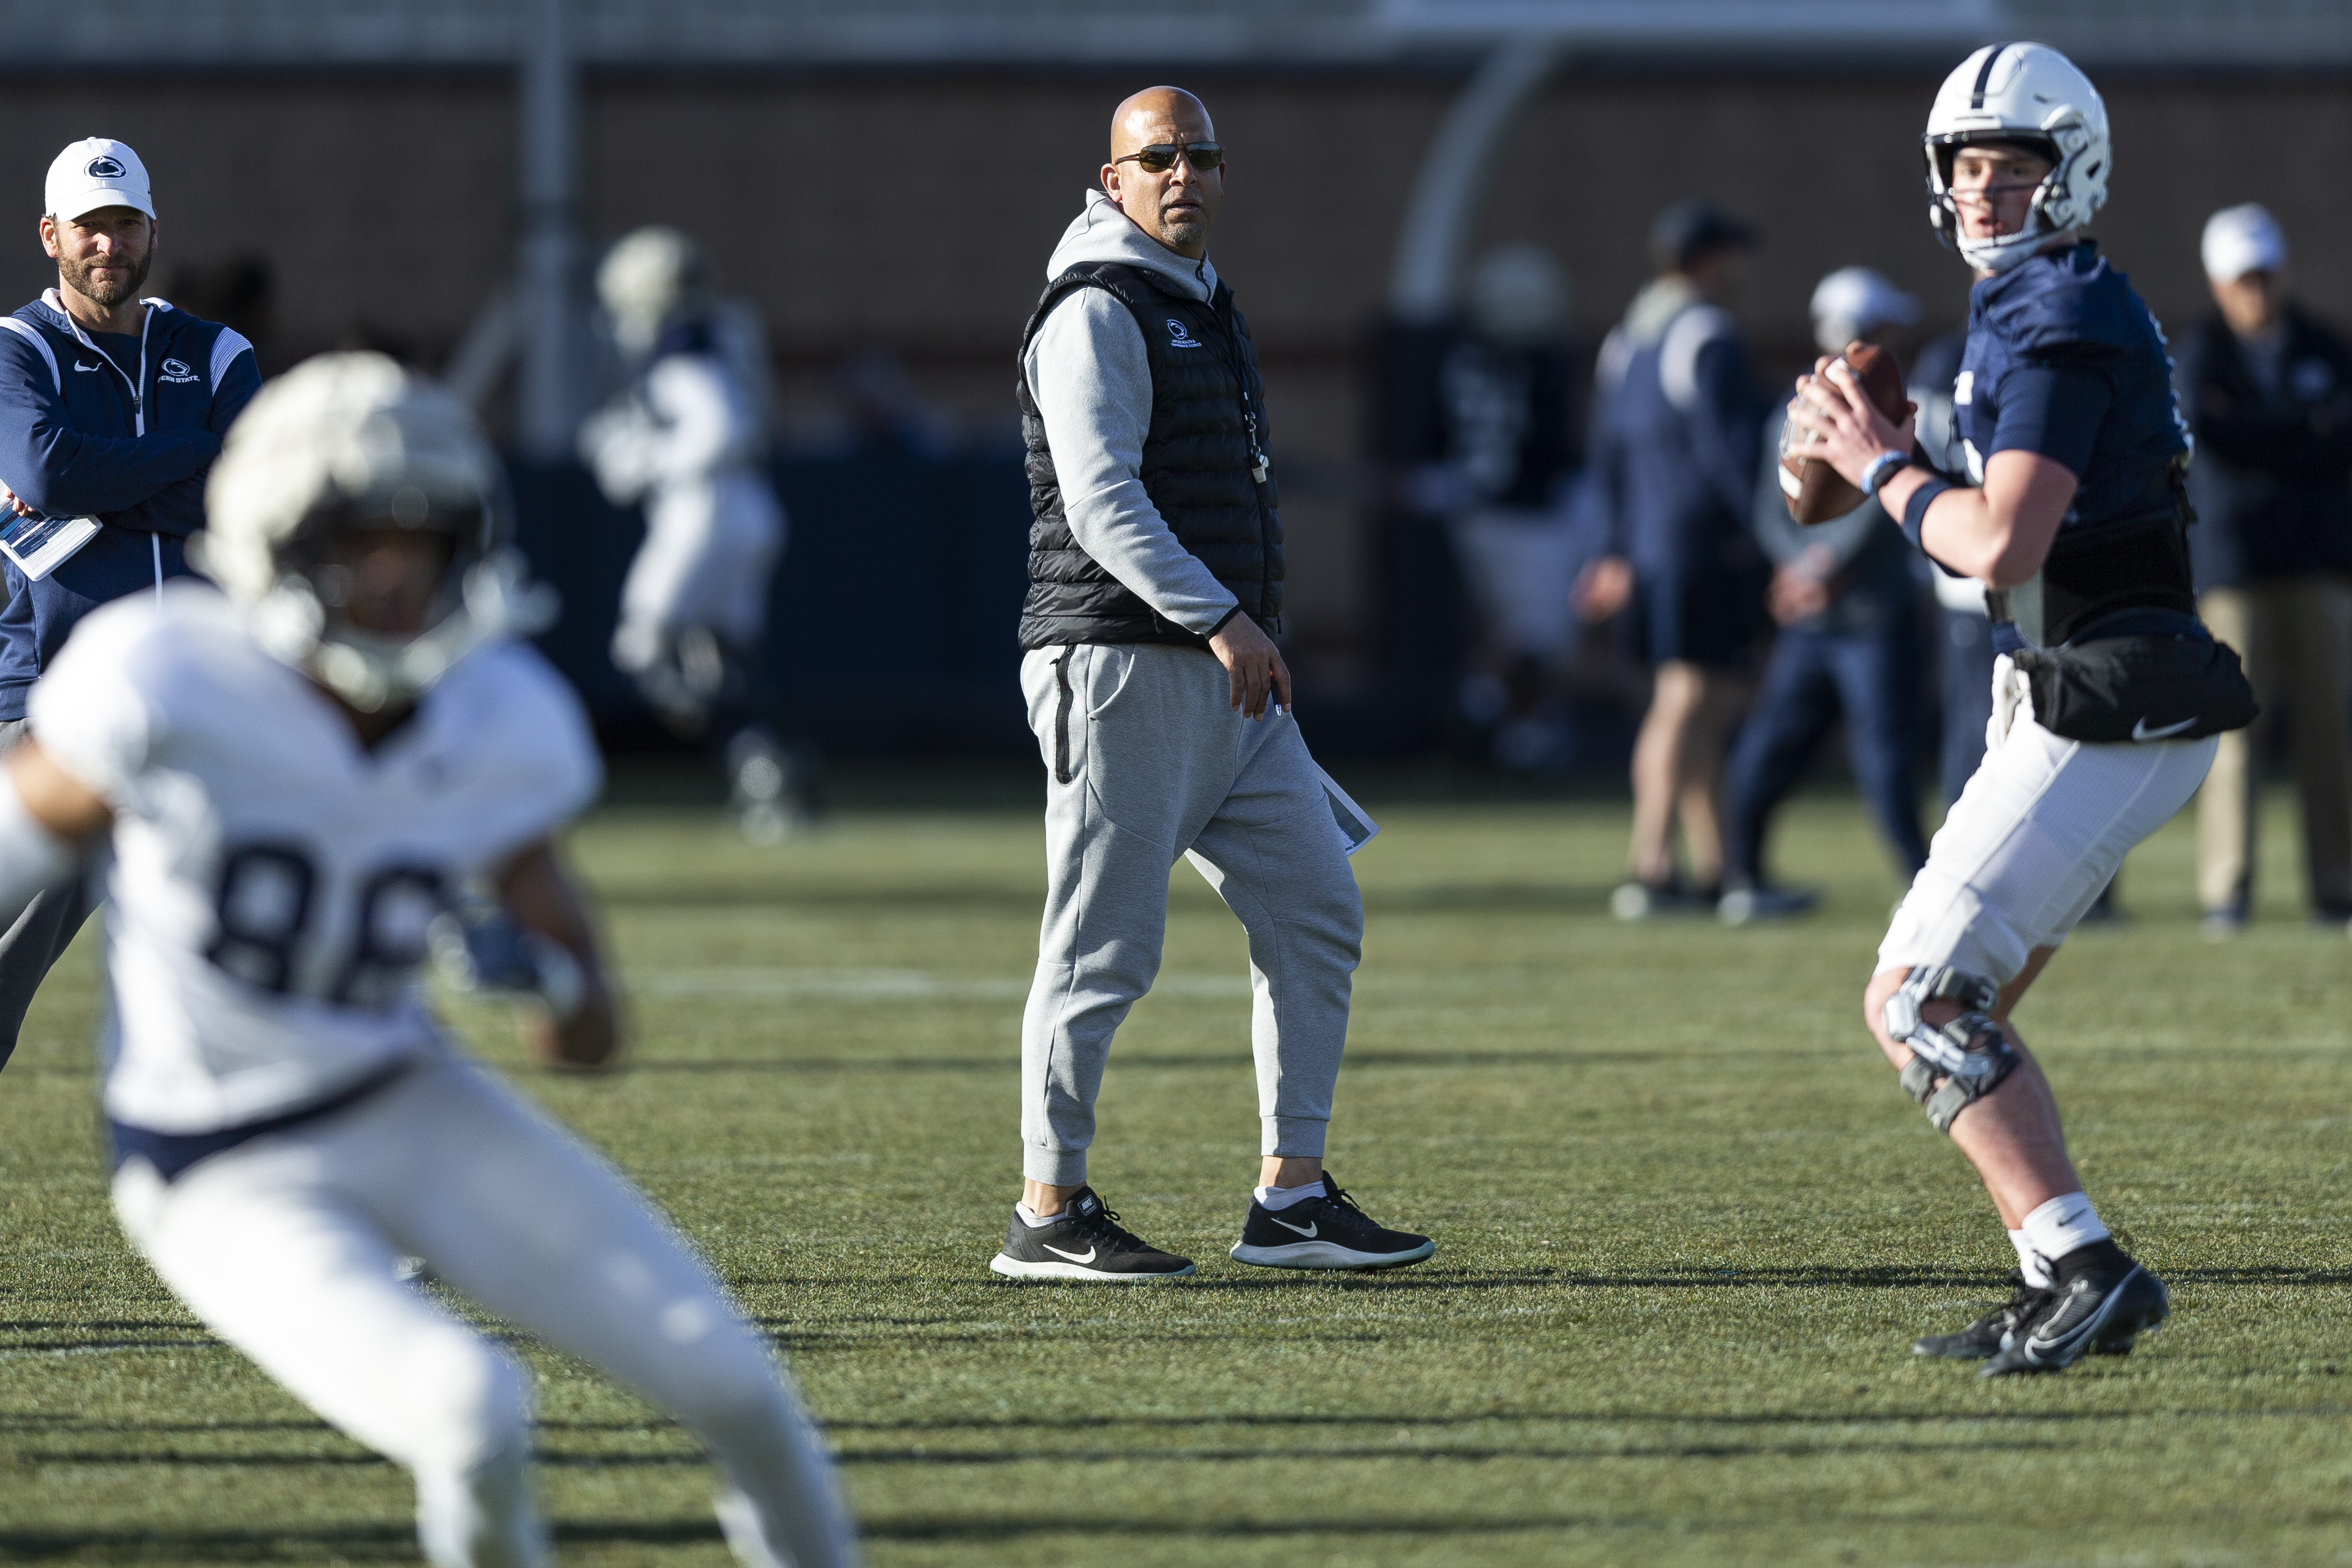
(1088, 370)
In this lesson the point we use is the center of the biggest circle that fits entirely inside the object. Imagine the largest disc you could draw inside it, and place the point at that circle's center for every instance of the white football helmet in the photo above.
(649, 276)
(2032, 95)
(354, 441)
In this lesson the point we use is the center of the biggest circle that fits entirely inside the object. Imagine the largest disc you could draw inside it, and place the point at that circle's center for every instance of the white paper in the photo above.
(38, 546)
(1356, 826)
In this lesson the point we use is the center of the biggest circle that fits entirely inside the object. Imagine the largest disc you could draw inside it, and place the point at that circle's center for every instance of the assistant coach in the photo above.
(1161, 706)
(111, 407)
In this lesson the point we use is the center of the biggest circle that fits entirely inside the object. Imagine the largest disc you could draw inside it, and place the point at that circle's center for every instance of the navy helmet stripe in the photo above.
(1984, 75)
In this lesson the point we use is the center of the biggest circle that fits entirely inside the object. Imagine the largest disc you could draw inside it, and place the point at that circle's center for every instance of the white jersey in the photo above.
(273, 880)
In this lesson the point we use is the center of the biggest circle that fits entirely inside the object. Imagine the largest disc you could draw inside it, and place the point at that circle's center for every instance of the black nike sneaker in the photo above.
(1325, 1232)
(2099, 1308)
(1989, 1334)
(1087, 1242)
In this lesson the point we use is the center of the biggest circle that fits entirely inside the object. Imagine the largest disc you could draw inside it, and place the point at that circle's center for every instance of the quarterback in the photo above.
(2107, 695)
(300, 778)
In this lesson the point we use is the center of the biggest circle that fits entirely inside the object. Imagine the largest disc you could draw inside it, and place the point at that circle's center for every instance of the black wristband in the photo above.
(1220, 626)
(1915, 511)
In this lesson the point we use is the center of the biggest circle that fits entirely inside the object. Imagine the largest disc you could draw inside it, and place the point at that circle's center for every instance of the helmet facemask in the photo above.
(1996, 253)
(344, 443)
(479, 594)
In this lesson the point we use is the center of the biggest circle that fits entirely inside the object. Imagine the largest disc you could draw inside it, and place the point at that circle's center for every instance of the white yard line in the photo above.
(888, 984)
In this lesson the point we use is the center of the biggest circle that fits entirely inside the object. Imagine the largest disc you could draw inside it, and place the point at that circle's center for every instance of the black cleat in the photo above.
(1085, 1242)
(1989, 1334)
(2102, 1311)
(1325, 1232)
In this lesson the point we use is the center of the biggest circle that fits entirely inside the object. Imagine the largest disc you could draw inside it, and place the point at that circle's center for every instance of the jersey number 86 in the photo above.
(263, 908)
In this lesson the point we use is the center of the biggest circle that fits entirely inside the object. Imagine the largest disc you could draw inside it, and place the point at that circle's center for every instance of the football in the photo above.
(1818, 493)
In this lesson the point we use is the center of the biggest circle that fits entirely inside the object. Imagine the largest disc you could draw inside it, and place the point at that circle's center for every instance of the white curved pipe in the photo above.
(1452, 185)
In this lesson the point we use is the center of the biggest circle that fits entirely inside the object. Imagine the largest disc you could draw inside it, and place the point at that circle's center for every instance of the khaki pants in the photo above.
(2289, 632)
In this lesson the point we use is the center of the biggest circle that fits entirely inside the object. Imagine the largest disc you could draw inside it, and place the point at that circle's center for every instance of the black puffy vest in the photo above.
(1208, 432)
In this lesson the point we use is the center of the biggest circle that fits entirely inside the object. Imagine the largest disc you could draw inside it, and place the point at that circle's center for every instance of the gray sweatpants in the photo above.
(1146, 761)
(40, 936)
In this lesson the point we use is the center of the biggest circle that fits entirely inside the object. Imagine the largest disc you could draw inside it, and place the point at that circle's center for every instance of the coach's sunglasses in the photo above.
(1161, 156)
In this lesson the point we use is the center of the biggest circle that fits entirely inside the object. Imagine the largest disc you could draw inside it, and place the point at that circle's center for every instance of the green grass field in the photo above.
(1687, 1227)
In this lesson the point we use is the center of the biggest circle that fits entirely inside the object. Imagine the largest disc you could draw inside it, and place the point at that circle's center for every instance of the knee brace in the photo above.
(1971, 1054)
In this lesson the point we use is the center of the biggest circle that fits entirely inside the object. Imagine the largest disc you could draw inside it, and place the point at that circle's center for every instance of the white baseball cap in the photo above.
(1853, 302)
(93, 172)
(2239, 240)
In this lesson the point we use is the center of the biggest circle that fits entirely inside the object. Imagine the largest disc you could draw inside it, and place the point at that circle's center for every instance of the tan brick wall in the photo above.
(915, 211)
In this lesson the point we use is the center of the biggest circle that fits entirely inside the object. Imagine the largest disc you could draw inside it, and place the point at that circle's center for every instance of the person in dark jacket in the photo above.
(1162, 711)
(2268, 392)
(111, 411)
(1848, 605)
(1673, 470)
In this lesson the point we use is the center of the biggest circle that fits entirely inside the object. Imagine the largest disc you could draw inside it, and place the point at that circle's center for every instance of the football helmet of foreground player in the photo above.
(2026, 95)
(353, 441)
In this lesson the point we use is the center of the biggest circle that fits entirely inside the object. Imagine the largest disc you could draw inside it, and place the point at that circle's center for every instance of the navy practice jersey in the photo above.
(2063, 360)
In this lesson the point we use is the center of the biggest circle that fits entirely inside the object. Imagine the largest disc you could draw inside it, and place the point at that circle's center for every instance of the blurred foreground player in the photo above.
(296, 777)
(1160, 704)
(2108, 693)
(688, 440)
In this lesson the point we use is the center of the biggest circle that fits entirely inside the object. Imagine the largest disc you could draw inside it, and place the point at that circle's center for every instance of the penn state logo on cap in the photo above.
(96, 172)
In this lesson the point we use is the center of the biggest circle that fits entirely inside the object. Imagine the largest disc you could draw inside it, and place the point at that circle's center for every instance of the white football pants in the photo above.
(711, 544)
(2041, 829)
(285, 1247)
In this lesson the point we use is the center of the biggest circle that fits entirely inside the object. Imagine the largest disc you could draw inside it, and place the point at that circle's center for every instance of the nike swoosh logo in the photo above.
(2141, 732)
(1073, 1257)
(79, 366)
(1307, 1229)
(2037, 1348)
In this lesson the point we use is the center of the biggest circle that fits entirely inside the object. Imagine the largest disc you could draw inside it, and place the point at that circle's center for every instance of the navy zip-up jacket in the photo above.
(78, 438)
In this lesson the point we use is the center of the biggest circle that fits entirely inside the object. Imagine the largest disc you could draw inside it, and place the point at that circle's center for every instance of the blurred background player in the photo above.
(1848, 607)
(1161, 706)
(1502, 438)
(1673, 454)
(2079, 522)
(2267, 390)
(688, 440)
(327, 755)
(111, 407)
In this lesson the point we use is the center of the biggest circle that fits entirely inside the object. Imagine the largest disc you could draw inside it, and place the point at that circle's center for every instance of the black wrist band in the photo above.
(1915, 511)
(1889, 462)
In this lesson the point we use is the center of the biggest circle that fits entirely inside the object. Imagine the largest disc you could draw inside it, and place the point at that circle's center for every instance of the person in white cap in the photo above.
(2268, 392)
(1848, 607)
(112, 408)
